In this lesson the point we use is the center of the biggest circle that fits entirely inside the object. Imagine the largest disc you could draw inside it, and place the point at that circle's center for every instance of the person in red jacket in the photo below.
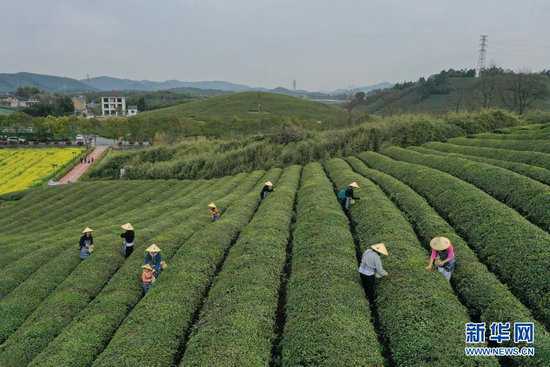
(147, 277)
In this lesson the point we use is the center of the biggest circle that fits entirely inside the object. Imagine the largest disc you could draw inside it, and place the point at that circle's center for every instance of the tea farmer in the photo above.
(128, 236)
(147, 277)
(443, 255)
(214, 211)
(345, 196)
(154, 258)
(268, 187)
(86, 243)
(371, 268)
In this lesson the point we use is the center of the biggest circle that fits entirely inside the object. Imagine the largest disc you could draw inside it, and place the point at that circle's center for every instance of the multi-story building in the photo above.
(113, 104)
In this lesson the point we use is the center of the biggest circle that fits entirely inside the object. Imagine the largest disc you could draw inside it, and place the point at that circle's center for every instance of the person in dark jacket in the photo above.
(154, 258)
(86, 243)
(268, 187)
(128, 235)
(346, 195)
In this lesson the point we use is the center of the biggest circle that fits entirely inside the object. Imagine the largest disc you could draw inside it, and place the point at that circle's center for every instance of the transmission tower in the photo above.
(294, 85)
(482, 52)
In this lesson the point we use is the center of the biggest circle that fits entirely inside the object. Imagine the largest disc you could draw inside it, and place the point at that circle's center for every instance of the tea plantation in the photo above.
(274, 281)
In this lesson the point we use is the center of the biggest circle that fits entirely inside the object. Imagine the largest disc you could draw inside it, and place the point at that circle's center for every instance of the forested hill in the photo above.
(454, 90)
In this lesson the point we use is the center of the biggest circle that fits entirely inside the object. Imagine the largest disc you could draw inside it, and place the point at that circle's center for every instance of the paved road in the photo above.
(79, 170)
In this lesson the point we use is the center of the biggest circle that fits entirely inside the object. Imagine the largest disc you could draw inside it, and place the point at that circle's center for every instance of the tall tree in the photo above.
(519, 91)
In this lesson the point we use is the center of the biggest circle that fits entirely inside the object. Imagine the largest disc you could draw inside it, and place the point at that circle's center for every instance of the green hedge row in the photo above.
(168, 308)
(236, 326)
(532, 158)
(327, 315)
(542, 146)
(513, 248)
(92, 329)
(421, 318)
(486, 298)
(532, 135)
(529, 197)
(74, 292)
(18, 271)
(536, 173)
(21, 302)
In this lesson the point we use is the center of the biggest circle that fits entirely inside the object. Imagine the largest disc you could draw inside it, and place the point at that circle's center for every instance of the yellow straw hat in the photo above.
(440, 243)
(153, 248)
(127, 227)
(354, 185)
(87, 229)
(211, 205)
(381, 248)
(268, 183)
(147, 267)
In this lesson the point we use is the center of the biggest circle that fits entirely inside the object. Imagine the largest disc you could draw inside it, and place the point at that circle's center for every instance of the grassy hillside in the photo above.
(447, 92)
(274, 281)
(245, 106)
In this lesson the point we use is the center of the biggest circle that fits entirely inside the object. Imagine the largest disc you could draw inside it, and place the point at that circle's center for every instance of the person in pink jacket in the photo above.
(443, 255)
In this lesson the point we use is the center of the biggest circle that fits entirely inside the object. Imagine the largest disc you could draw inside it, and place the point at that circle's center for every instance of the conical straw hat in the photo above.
(354, 185)
(88, 229)
(440, 243)
(381, 248)
(147, 267)
(211, 205)
(128, 227)
(268, 183)
(153, 248)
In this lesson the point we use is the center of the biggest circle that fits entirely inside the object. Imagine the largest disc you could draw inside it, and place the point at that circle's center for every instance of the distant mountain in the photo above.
(108, 83)
(365, 89)
(49, 83)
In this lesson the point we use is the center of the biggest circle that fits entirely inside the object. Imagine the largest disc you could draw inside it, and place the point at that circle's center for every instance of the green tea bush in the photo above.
(327, 315)
(529, 197)
(532, 158)
(421, 318)
(486, 298)
(94, 326)
(537, 173)
(179, 292)
(513, 248)
(542, 146)
(236, 326)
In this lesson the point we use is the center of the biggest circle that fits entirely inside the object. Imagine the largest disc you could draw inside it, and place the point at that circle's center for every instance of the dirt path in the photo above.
(79, 170)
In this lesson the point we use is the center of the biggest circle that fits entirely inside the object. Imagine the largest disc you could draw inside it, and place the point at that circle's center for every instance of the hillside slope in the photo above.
(245, 105)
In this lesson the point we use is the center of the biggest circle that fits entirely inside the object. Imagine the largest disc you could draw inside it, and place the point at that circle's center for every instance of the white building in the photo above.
(113, 104)
(132, 110)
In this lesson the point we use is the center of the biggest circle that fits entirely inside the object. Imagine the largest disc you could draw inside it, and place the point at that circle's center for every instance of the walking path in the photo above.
(79, 170)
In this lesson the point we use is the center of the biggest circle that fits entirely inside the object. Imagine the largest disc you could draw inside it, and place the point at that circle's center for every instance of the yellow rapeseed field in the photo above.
(21, 168)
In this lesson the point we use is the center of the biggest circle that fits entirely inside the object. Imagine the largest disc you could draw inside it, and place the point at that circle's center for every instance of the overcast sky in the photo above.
(322, 44)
